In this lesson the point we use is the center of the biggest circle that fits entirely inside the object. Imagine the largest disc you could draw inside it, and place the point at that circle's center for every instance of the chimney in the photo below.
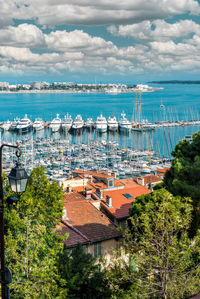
(88, 193)
(140, 181)
(109, 201)
(113, 174)
(68, 189)
(64, 215)
(99, 193)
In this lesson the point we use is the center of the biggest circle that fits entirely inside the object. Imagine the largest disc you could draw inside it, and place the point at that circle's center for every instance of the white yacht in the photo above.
(38, 124)
(89, 123)
(6, 126)
(24, 124)
(77, 123)
(14, 124)
(112, 123)
(67, 123)
(55, 124)
(124, 123)
(101, 124)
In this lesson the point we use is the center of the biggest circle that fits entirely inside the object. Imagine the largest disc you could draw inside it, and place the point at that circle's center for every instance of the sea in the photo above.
(174, 102)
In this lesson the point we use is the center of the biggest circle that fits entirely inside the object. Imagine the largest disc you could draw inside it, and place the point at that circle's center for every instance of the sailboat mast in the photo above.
(135, 107)
(139, 109)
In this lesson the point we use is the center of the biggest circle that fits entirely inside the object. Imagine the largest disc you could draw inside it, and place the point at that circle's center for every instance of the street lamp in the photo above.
(18, 179)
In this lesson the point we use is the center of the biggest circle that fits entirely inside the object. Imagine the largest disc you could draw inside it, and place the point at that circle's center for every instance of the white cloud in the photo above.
(77, 39)
(171, 48)
(27, 35)
(162, 31)
(88, 12)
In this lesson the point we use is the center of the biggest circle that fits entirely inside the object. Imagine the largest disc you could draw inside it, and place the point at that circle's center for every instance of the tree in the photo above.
(183, 178)
(32, 246)
(163, 261)
(83, 275)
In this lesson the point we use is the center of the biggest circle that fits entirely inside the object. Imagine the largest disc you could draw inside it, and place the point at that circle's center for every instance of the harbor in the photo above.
(104, 132)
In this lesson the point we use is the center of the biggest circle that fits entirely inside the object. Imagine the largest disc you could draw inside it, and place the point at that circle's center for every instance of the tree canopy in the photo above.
(83, 275)
(183, 178)
(35, 253)
(163, 261)
(32, 246)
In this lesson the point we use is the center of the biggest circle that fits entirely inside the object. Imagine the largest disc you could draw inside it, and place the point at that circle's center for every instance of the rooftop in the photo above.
(74, 237)
(88, 220)
(122, 200)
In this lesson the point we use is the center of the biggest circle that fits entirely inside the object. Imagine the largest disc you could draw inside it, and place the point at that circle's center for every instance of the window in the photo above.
(97, 249)
(128, 195)
(110, 183)
(84, 248)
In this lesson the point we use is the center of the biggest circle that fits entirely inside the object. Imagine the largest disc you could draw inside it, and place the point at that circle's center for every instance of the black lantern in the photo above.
(18, 178)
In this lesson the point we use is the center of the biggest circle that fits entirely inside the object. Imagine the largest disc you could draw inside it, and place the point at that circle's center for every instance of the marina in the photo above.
(117, 133)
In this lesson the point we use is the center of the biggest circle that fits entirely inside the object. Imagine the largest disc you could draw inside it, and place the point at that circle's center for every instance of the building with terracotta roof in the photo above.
(82, 180)
(148, 180)
(89, 226)
(161, 172)
(117, 203)
(101, 188)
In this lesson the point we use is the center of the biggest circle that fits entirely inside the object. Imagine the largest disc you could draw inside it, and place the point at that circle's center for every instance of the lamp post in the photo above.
(18, 179)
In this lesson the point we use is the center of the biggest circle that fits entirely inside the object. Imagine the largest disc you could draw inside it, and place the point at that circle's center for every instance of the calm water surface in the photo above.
(181, 102)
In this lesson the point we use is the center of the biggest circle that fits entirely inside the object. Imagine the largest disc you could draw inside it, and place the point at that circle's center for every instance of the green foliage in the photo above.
(166, 261)
(183, 178)
(158, 186)
(83, 276)
(32, 246)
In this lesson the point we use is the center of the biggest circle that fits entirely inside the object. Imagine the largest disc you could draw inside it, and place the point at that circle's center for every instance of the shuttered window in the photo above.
(97, 249)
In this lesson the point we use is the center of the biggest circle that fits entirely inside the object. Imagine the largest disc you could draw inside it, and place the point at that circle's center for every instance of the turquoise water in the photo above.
(181, 102)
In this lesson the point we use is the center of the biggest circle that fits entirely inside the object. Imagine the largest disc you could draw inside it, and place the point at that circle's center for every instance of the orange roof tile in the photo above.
(120, 203)
(78, 189)
(93, 173)
(74, 237)
(129, 182)
(163, 170)
(89, 220)
(151, 178)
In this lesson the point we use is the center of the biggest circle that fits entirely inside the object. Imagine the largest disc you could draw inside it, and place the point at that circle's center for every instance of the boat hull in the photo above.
(112, 128)
(24, 129)
(101, 129)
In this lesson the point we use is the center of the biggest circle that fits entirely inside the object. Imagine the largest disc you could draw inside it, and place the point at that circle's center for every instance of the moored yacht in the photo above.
(89, 123)
(112, 123)
(67, 123)
(55, 124)
(14, 124)
(24, 124)
(124, 123)
(77, 123)
(101, 124)
(6, 126)
(38, 124)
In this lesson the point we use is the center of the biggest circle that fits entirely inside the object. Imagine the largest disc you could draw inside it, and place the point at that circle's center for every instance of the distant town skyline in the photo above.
(106, 42)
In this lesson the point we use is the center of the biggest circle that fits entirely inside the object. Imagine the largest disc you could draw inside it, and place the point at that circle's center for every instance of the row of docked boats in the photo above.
(66, 124)
(101, 124)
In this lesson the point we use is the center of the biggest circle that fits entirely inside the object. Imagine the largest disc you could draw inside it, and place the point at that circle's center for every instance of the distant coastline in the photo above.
(176, 82)
(68, 91)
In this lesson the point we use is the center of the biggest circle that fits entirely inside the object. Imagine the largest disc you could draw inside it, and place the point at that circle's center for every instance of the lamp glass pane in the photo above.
(22, 185)
(18, 186)
(13, 185)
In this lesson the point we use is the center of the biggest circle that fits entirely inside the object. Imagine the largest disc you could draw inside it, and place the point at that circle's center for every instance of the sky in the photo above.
(129, 41)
